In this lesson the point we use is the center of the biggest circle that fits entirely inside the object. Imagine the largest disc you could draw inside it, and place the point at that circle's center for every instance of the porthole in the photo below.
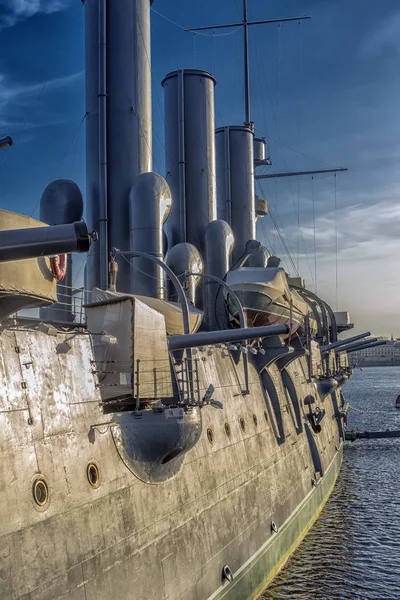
(210, 435)
(266, 415)
(227, 430)
(255, 420)
(40, 492)
(93, 475)
(227, 574)
(242, 424)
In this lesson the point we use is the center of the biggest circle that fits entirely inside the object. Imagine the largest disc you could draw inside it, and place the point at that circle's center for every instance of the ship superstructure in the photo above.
(180, 442)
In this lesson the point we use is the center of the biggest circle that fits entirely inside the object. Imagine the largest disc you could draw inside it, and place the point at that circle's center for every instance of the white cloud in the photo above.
(11, 91)
(17, 10)
(17, 98)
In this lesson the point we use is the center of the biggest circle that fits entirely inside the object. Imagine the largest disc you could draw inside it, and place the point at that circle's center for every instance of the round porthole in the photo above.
(242, 424)
(266, 415)
(227, 573)
(227, 430)
(274, 527)
(40, 492)
(210, 435)
(255, 420)
(93, 475)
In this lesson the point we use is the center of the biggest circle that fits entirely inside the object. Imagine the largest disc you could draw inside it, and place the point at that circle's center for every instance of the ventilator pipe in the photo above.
(150, 203)
(218, 243)
(175, 281)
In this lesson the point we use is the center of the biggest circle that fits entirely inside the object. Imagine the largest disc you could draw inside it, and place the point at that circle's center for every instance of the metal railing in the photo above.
(69, 310)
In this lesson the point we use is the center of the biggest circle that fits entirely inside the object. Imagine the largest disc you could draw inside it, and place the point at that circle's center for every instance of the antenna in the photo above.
(246, 24)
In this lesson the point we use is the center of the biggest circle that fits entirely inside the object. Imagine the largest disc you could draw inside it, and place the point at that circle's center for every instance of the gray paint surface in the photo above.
(124, 535)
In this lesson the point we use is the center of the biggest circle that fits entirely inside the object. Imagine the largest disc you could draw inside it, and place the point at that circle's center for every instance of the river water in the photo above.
(353, 550)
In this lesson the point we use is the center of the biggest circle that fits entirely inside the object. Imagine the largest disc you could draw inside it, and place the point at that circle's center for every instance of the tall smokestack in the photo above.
(126, 134)
(190, 155)
(235, 175)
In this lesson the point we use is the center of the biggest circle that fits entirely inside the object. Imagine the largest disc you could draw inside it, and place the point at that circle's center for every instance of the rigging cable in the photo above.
(299, 7)
(336, 252)
(63, 157)
(194, 50)
(214, 51)
(198, 32)
(74, 153)
(299, 77)
(314, 235)
(262, 76)
(278, 83)
(284, 244)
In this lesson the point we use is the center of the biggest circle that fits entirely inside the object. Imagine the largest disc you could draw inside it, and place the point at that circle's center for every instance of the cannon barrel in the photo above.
(20, 244)
(206, 338)
(356, 344)
(362, 346)
(344, 342)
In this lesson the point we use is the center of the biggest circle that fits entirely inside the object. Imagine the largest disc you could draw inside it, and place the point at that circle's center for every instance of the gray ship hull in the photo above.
(243, 497)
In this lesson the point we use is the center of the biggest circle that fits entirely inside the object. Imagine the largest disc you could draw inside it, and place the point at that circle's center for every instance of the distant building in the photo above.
(377, 356)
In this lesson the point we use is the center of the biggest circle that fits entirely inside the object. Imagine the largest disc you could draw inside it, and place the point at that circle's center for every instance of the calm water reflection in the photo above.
(353, 550)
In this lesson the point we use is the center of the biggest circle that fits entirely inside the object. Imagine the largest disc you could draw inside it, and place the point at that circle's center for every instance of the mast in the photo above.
(247, 120)
(245, 23)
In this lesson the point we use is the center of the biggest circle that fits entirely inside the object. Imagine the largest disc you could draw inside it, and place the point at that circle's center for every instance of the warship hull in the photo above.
(242, 498)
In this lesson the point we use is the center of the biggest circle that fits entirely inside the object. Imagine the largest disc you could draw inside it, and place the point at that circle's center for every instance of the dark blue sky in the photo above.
(325, 92)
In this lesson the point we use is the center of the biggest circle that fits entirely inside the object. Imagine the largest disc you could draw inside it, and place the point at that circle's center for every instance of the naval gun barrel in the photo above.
(352, 435)
(207, 338)
(356, 344)
(363, 346)
(344, 342)
(20, 244)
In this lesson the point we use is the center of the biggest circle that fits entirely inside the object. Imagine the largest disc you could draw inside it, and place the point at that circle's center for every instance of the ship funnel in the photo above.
(219, 244)
(184, 258)
(150, 205)
(235, 176)
(118, 123)
(190, 155)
